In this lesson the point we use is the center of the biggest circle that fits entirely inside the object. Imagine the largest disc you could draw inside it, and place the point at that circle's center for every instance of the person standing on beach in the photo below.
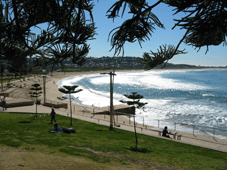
(4, 103)
(52, 115)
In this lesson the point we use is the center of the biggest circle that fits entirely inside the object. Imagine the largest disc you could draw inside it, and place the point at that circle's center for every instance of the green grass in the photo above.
(113, 145)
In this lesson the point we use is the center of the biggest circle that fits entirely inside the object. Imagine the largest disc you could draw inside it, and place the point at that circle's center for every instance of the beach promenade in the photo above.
(86, 113)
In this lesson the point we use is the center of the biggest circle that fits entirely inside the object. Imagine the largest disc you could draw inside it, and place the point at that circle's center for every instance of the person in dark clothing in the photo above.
(4, 103)
(165, 132)
(52, 115)
(58, 129)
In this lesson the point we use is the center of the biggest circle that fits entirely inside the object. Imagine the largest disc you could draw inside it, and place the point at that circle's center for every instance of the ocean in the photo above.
(187, 97)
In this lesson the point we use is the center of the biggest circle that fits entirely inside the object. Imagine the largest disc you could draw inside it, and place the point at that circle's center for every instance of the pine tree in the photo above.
(36, 93)
(136, 104)
(69, 90)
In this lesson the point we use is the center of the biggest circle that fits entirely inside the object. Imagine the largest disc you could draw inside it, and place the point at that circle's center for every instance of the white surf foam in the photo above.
(157, 108)
(149, 79)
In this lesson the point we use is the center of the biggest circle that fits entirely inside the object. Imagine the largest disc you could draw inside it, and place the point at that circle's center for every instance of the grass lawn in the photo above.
(97, 143)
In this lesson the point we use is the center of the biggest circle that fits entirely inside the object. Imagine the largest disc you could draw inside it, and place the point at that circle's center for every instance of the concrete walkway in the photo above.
(86, 114)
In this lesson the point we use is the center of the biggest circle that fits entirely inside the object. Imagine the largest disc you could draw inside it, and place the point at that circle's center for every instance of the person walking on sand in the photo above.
(4, 103)
(52, 115)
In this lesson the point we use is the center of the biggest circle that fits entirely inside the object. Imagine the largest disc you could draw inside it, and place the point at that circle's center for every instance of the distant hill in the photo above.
(126, 62)
(184, 66)
(178, 66)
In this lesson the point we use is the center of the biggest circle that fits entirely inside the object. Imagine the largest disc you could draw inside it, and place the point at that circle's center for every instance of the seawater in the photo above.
(191, 97)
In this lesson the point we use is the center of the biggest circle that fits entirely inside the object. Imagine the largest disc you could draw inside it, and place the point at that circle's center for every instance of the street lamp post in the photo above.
(111, 98)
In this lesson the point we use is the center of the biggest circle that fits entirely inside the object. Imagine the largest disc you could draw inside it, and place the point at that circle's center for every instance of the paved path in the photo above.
(87, 115)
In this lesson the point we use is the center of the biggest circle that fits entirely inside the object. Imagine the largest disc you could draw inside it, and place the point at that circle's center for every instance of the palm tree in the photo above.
(69, 90)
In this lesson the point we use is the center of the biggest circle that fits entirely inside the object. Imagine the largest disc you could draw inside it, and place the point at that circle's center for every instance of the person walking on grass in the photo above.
(52, 115)
(4, 103)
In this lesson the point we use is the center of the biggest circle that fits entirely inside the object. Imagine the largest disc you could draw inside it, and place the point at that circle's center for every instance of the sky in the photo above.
(216, 56)
(100, 46)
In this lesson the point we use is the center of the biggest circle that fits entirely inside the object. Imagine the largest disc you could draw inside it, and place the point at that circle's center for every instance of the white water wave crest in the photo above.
(209, 95)
(151, 79)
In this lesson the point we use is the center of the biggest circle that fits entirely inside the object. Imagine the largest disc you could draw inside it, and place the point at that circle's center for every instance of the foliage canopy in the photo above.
(164, 53)
(69, 90)
(205, 21)
(66, 24)
(70, 23)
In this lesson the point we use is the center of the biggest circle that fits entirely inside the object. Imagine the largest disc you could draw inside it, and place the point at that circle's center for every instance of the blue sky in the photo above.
(216, 55)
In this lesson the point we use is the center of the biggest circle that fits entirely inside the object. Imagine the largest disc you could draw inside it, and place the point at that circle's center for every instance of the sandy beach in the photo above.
(21, 90)
(51, 83)
(53, 93)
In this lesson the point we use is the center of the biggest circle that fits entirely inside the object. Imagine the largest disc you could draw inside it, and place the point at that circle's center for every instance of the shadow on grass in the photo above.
(101, 130)
(141, 150)
(25, 122)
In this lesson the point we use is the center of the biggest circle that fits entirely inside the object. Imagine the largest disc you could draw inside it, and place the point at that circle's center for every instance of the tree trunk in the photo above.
(36, 106)
(2, 82)
(135, 133)
(51, 71)
(70, 108)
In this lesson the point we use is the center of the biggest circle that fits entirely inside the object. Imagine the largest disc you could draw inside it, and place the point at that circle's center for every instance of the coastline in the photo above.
(21, 90)
(61, 76)
(52, 91)
(52, 81)
(87, 115)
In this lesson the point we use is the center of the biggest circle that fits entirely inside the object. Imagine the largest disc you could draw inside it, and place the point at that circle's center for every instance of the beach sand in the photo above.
(52, 93)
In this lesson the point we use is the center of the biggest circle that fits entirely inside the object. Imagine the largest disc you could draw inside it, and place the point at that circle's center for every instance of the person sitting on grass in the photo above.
(165, 132)
(58, 129)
